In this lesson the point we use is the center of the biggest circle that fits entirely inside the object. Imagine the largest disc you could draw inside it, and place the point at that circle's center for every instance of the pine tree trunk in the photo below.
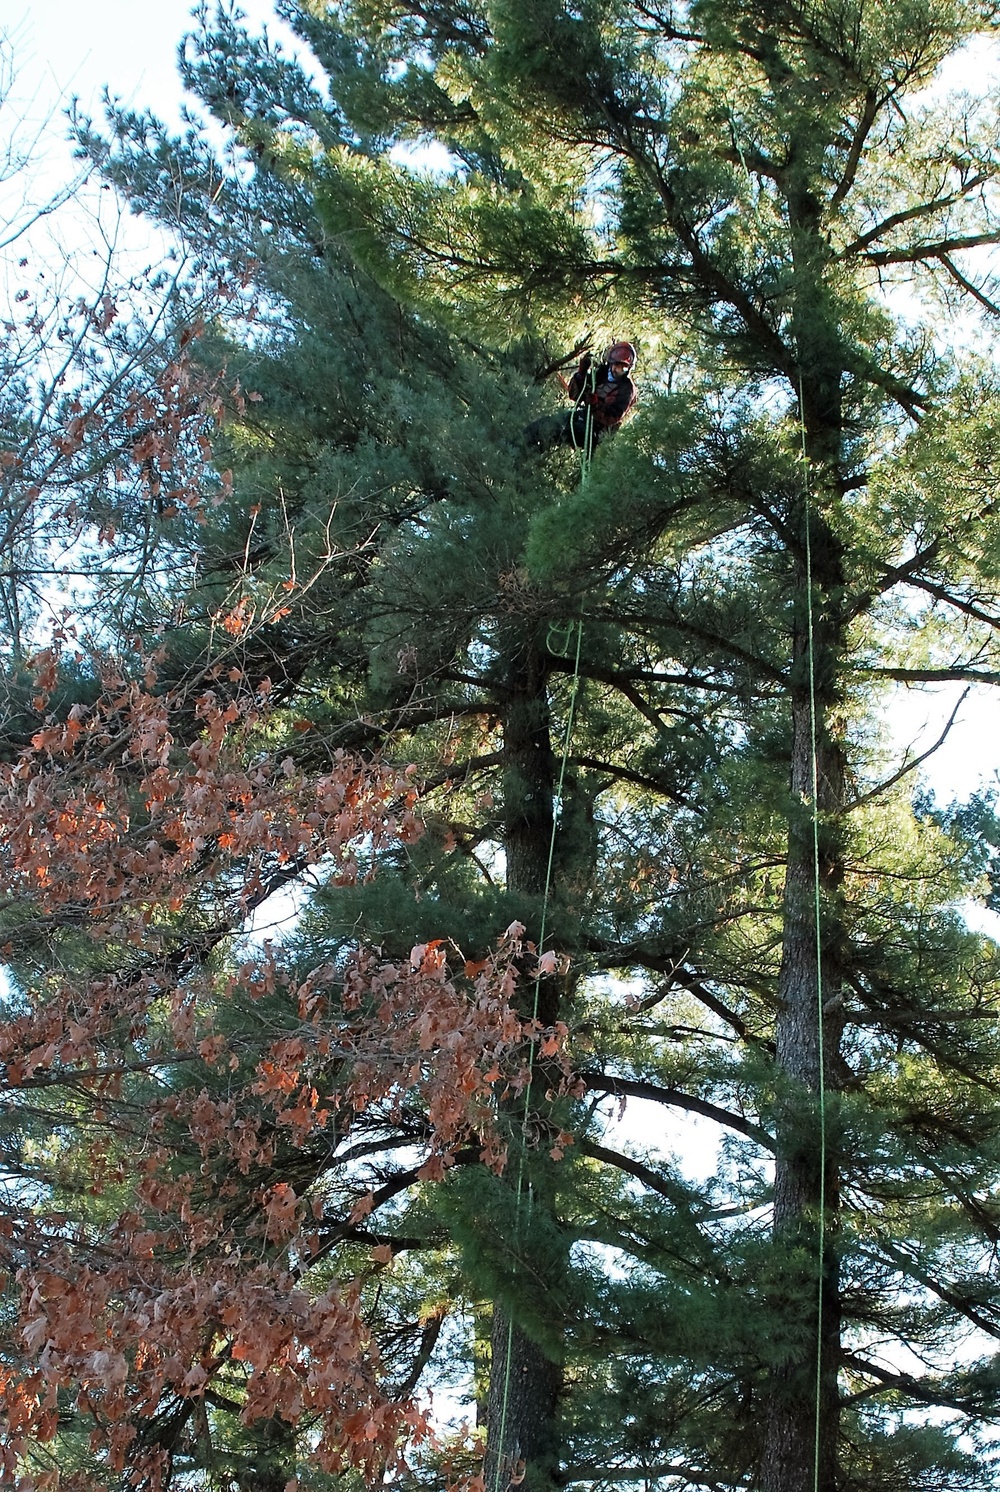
(520, 1409)
(525, 1380)
(529, 781)
(270, 1457)
(801, 1424)
(803, 1402)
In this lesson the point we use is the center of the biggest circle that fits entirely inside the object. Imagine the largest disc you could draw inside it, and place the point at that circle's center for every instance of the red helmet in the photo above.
(621, 352)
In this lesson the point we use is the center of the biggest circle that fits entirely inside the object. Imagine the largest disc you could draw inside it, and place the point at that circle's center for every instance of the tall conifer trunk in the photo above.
(802, 1417)
(803, 1399)
(525, 1381)
(270, 1457)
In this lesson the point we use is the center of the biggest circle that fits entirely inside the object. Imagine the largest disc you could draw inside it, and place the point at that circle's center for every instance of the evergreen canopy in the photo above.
(643, 702)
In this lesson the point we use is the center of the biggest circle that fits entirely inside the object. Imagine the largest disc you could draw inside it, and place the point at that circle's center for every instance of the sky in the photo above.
(75, 48)
(63, 51)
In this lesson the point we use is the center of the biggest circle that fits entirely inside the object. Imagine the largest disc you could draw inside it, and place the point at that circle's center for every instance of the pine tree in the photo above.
(740, 160)
(800, 513)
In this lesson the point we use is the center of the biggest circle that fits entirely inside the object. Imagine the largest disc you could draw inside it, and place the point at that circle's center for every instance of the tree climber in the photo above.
(602, 397)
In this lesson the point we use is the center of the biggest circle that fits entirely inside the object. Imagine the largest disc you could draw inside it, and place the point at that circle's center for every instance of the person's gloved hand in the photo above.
(585, 362)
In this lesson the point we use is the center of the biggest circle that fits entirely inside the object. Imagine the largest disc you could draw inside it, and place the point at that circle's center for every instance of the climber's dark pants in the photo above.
(569, 429)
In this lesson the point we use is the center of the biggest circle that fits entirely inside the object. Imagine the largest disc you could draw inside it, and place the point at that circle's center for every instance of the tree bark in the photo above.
(521, 1442)
(269, 1456)
(800, 1450)
(801, 1428)
(525, 1378)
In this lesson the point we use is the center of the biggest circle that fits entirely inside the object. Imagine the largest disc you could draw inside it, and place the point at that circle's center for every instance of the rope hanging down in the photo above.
(817, 912)
(585, 456)
(586, 449)
(498, 1484)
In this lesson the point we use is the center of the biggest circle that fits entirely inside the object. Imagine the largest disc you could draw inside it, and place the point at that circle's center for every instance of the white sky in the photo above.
(67, 47)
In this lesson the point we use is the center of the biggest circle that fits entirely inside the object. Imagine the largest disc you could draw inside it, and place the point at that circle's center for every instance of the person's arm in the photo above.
(580, 377)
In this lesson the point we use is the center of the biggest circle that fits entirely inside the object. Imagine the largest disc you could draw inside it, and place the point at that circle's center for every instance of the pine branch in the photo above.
(687, 680)
(340, 1229)
(973, 290)
(726, 645)
(869, 114)
(970, 1204)
(624, 955)
(908, 398)
(949, 1294)
(615, 773)
(649, 1178)
(676, 1098)
(935, 675)
(919, 253)
(941, 593)
(895, 575)
(429, 1335)
(911, 214)
(643, 1475)
(910, 765)
(461, 771)
(904, 1383)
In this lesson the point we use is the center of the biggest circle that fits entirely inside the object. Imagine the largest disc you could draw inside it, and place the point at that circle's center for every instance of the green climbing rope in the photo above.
(814, 755)
(586, 449)
(561, 651)
(817, 915)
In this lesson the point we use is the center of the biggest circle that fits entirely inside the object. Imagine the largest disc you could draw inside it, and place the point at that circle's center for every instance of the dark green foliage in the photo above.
(803, 477)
